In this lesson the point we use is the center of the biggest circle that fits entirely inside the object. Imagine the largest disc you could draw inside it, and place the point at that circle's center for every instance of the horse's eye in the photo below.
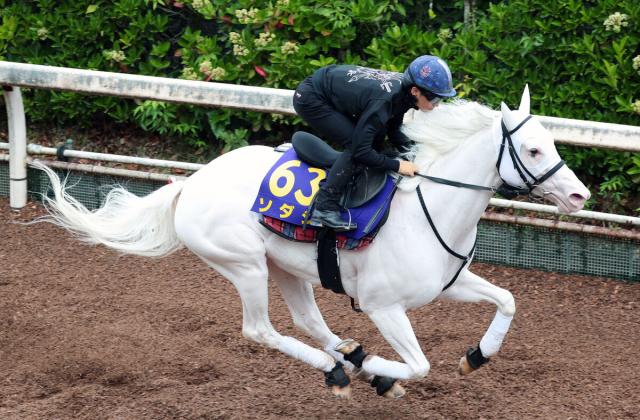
(533, 152)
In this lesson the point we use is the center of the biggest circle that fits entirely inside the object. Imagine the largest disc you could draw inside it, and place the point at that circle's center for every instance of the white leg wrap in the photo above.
(492, 340)
(382, 367)
(316, 358)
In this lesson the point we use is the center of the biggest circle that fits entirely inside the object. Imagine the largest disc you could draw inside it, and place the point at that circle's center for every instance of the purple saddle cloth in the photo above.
(290, 185)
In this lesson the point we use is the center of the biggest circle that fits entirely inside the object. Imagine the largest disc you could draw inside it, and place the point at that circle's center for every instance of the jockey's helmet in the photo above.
(432, 74)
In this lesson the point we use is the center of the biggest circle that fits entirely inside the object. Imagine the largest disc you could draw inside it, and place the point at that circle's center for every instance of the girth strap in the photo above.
(465, 259)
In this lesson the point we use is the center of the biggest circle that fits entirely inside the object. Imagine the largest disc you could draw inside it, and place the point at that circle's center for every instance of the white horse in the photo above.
(405, 267)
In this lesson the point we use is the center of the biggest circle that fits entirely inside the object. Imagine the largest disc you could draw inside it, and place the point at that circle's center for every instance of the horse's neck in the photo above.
(456, 211)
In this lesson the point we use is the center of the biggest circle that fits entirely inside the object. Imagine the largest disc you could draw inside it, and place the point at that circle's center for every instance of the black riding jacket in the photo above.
(375, 100)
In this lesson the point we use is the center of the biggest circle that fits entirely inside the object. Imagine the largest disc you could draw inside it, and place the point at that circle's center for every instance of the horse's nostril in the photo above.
(577, 198)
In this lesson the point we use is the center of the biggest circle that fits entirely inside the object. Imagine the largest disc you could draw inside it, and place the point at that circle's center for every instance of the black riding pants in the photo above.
(333, 126)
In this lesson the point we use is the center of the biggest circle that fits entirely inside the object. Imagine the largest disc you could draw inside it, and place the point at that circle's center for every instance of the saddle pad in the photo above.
(300, 234)
(289, 186)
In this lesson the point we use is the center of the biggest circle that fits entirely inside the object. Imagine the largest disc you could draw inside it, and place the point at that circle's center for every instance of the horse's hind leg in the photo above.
(470, 287)
(299, 297)
(250, 279)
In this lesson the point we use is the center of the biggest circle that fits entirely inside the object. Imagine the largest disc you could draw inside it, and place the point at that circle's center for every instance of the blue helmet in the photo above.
(431, 73)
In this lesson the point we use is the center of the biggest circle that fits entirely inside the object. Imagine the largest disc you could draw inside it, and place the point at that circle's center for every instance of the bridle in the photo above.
(530, 182)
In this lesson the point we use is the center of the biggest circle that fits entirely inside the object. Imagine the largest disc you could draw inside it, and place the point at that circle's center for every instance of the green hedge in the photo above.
(580, 58)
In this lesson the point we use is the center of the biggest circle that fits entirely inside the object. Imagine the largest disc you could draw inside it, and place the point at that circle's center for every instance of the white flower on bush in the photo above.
(240, 50)
(235, 38)
(636, 106)
(282, 3)
(636, 63)
(246, 16)
(289, 47)
(43, 33)
(188, 73)
(114, 55)
(200, 4)
(205, 67)
(264, 39)
(616, 21)
(218, 73)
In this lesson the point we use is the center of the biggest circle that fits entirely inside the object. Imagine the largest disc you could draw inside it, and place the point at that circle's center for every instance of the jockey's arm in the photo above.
(372, 122)
(396, 137)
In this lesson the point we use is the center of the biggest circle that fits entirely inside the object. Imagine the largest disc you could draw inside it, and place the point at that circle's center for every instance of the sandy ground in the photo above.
(87, 333)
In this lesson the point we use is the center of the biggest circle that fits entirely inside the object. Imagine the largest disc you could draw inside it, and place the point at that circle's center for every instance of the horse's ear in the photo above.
(525, 102)
(507, 116)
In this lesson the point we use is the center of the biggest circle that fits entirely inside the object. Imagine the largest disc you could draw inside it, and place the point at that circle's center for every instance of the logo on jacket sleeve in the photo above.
(386, 78)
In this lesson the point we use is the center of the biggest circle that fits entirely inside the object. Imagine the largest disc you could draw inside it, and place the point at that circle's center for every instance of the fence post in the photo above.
(17, 147)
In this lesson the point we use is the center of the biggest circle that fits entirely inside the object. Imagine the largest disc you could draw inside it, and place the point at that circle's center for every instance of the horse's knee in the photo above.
(507, 304)
(303, 324)
(261, 335)
(315, 328)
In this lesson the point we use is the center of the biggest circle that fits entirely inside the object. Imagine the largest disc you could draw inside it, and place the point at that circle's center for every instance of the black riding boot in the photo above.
(327, 205)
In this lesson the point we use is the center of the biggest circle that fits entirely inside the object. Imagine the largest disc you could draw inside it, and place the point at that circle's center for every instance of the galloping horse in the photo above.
(407, 266)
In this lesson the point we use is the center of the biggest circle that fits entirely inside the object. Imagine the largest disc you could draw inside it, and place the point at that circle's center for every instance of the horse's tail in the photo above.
(126, 222)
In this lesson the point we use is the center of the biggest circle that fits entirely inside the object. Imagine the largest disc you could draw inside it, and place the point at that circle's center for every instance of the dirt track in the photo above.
(87, 333)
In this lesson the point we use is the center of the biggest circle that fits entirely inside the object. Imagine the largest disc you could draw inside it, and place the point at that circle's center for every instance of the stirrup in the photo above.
(331, 219)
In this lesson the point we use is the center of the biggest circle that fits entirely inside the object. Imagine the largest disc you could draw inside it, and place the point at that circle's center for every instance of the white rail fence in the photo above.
(13, 76)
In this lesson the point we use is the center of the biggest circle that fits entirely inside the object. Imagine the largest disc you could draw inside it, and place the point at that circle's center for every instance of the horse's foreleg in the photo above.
(472, 288)
(306, 315)
(299, 297)
(395, 327)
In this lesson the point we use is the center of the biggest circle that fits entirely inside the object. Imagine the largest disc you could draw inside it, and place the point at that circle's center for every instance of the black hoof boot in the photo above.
(382, 384)
(338, 381)
(475, 358)
(330, 219)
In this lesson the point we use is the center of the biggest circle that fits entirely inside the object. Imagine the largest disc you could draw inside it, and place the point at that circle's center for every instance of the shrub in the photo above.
(580, 58)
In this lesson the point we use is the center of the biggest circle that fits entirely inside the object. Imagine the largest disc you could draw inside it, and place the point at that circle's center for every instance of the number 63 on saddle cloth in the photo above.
(287, 190)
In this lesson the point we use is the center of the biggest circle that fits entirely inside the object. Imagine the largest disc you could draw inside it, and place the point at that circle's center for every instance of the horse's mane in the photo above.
(443, 129)
(446, 127)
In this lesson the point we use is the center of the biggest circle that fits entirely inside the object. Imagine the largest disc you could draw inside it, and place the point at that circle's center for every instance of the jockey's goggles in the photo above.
(432, 97)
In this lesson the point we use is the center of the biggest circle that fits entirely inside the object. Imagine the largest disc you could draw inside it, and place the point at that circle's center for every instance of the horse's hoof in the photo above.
(346, 346)
(344, 393)
(464, 368)
(362, 375)
(396, 391)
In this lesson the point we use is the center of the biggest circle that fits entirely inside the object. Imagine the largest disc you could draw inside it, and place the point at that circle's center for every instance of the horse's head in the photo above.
(529, 160)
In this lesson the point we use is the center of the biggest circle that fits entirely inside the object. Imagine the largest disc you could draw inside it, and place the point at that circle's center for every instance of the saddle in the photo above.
(366, 182)
(286, 194)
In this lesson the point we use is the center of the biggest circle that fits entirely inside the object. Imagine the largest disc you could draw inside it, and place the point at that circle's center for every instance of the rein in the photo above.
(457, 184)
(465, 259)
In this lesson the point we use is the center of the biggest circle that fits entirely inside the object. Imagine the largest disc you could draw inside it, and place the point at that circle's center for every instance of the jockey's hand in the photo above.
(408, 168)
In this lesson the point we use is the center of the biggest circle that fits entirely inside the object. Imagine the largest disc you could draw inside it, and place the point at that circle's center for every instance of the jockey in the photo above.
(356, 107)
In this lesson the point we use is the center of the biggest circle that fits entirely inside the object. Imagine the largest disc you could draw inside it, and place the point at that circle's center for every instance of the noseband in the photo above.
(530, 180)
